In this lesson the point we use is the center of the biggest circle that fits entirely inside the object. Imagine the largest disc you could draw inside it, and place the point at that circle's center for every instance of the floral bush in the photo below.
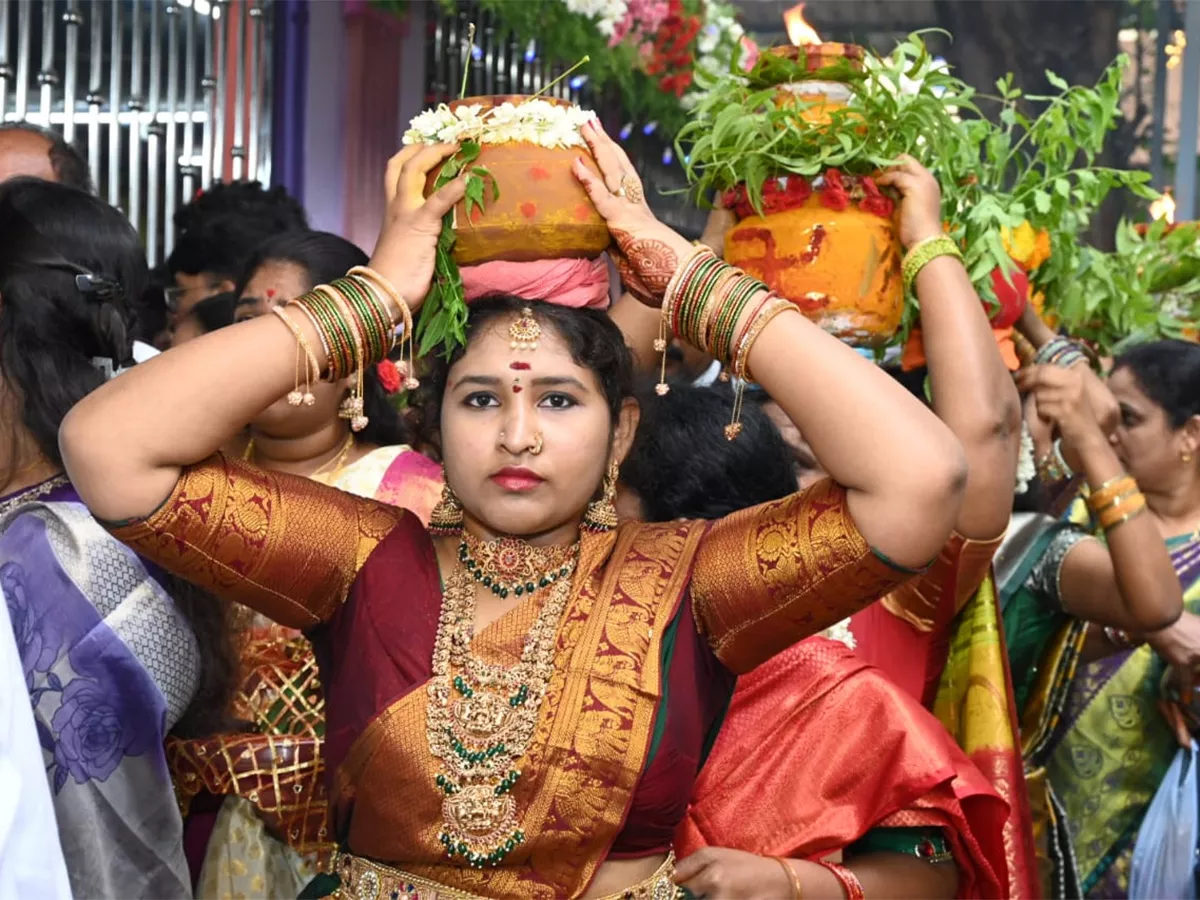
(648, 52)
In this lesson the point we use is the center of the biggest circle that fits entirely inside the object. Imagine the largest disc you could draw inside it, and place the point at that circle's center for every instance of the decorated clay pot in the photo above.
(831, 247)
(818, 97)
(542, 212)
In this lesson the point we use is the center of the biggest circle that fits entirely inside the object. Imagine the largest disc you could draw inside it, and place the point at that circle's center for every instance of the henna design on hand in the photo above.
(651, 262)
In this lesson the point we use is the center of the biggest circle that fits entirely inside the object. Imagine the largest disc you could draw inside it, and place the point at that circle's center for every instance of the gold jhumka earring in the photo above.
(446, 520)
(601, 515)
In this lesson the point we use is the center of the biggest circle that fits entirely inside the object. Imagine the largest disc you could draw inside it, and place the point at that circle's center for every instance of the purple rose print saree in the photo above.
(110, 666)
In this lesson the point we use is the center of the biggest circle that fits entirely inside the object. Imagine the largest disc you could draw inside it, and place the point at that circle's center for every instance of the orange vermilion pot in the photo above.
(543, 211)
(840, 267)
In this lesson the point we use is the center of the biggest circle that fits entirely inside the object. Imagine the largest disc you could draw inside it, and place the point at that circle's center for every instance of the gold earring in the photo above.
(446, 520)
(1186, 457)
(601, 515)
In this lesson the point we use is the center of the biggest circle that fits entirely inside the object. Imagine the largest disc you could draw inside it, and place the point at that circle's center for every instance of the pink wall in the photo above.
(366, 80)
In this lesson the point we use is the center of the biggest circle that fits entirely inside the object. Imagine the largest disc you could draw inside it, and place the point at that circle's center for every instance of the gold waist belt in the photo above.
(363, 879)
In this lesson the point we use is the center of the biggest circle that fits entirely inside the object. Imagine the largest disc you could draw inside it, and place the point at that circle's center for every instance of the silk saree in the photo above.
(659, 620)
(110, 665)
(820, 696)
(268, 837)
(1094, 742)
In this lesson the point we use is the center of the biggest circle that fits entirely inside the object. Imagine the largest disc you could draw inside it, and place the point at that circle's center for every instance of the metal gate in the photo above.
(162, 96)
(500, 63)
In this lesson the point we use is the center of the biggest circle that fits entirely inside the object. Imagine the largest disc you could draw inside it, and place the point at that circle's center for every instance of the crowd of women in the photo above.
(298, 615)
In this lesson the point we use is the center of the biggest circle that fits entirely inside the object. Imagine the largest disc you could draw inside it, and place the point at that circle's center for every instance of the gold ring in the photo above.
(538, 444)
(630, 189)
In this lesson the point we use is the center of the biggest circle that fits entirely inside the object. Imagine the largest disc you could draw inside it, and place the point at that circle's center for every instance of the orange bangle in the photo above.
(797, 893)
(1111, 490)
(1122, 512)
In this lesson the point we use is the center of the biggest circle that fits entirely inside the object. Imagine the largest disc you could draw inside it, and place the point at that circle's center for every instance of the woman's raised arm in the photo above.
(125, 445)
(903, 468)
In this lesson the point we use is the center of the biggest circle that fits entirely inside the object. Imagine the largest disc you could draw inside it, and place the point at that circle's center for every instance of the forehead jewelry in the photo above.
(524, 332)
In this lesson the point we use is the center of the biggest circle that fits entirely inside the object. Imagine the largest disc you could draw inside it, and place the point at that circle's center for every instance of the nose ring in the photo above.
(538, 444)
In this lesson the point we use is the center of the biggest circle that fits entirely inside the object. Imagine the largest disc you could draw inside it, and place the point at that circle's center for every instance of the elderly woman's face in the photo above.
(527, 435)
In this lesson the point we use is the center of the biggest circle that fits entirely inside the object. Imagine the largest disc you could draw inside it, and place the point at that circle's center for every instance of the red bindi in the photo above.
(270, 293)
(519, 366)
(517, 389)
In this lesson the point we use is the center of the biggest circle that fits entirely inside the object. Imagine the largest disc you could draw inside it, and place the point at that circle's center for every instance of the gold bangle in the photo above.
(793, 878)
(385, 287)
(311, 370)
(741, 358)
(924, 252)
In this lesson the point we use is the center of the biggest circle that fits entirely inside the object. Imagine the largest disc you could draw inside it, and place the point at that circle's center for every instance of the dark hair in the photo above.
(682, 466)
(68, 263)
(1169, 374)
(53, 319)
(216, 311)
(221, 228)
(67, 163)
(592, 338)
(324, 257)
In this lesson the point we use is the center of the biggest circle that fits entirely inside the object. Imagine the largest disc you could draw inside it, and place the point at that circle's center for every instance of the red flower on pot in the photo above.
(833, 194)
(873, 201)
(1011, 297)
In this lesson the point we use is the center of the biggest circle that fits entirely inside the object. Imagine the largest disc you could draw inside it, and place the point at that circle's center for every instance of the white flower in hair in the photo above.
(841, 632)
(1026, 464)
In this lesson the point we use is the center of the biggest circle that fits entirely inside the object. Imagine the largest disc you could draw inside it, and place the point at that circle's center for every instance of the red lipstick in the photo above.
(517, 479)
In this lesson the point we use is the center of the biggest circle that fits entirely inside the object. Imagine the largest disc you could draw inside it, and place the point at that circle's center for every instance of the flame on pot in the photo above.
(799, 31)
(1164, 208)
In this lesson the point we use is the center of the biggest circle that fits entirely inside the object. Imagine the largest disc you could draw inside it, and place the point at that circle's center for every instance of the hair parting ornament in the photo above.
(524, 332)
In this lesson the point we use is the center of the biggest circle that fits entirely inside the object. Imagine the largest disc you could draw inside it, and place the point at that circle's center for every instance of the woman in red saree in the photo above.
(518, 707)
(892, 796)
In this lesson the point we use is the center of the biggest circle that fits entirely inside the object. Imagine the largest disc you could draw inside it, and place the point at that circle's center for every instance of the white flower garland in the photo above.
(1026, 464)
(841, 632)
(532, 122)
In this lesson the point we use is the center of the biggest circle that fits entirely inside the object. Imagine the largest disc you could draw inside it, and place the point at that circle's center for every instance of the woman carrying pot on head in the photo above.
(1087, 656)
(925, 825)
(116, 654)
(512, 693)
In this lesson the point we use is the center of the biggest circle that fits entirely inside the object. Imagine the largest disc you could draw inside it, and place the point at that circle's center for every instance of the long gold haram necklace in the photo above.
(482, 717)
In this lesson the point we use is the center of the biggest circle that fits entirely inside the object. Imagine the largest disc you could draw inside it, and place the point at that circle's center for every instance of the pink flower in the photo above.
(749, 54)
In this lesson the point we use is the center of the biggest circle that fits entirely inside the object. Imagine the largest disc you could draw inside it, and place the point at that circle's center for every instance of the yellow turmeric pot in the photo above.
(842, 268)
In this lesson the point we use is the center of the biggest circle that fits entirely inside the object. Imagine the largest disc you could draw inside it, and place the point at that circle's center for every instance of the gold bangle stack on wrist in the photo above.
(1117, 501)
(922, 253)
(356, 327)
(706, 304)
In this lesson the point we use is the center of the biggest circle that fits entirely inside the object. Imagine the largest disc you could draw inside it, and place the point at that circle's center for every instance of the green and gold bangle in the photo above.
(340, 330)
(314, 304)
(693, 326)
(369, 319)
(923, 253)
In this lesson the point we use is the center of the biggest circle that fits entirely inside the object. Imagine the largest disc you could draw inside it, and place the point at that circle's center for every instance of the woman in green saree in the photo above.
(1094, 741)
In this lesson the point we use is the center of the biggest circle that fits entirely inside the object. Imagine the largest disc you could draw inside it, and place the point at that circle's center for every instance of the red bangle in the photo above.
(849, 881)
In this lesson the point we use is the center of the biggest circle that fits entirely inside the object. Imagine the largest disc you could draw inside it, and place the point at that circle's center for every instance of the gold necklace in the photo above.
(34, 492)
(511, 565)
(481, 719)
(331, 468)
